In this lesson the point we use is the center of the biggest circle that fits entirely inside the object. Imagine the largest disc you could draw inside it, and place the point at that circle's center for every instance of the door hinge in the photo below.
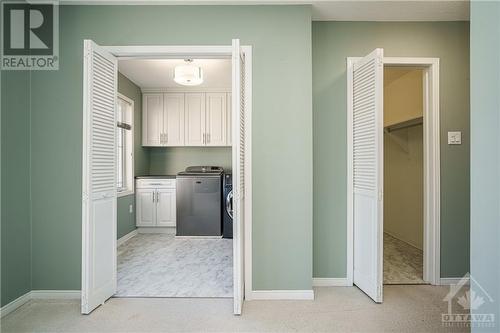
(85, 197)
(380, 195)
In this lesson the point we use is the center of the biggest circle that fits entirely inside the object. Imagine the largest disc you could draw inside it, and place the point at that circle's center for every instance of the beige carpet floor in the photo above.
(416, 308)
(403, 263)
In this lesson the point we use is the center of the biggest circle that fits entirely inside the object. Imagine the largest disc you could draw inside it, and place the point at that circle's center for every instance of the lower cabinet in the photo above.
(155, 203)
(165, 207)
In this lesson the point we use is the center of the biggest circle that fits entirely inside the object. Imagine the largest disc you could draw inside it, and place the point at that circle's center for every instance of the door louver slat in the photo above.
(103, 125)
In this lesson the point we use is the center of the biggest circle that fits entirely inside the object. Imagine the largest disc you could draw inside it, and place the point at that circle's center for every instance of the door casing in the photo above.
(432, 164)
(207, 51)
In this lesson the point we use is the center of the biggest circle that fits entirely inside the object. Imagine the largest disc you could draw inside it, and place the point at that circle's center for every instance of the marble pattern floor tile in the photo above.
(160, 265)
(403, 263)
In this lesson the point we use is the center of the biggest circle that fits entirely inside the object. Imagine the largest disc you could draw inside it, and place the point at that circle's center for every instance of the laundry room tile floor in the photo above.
(403, 263)
(160, 265)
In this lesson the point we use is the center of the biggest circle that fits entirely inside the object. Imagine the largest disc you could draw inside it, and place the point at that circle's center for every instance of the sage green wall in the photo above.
(282, 130)
(485, 157)
(126, 219)
(172, 160)
(15, 186)
(332, 43)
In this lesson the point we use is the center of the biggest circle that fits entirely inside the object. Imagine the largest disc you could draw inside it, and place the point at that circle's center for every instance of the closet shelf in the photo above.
(404, 124)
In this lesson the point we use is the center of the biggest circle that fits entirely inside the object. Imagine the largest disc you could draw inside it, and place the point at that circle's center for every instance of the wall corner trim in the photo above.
(127, 237)
(38, 294)
(331, 282)
(280, 295)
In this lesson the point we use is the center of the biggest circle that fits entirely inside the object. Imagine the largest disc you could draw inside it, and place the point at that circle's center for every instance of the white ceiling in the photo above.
(159, 73)
(338, 10)
(392, 10)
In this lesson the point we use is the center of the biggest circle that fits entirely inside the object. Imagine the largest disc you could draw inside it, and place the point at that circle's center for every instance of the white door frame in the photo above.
(207, 51)
(431, 164)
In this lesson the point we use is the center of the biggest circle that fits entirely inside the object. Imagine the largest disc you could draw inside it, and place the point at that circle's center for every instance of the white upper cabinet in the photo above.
(173, 119)
(195, 119)
(215, 119)
(229, 120)
(152, 119)
(186, 119)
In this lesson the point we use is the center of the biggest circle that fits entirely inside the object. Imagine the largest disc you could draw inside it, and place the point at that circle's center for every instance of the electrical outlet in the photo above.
(454, 138)
(130, 209)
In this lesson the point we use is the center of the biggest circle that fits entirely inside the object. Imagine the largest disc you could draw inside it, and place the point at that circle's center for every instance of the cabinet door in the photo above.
(194, 119)
(216, 119)
(165, 208)
(229, 120)
(152, 119)
(145, 207)
(173, 119)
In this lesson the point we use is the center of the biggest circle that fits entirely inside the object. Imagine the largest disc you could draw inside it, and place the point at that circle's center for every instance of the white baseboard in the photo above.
(21, 300)
(38, 294)
(404, 241)
(450, 281)
(331, 282)
(126, 237)
(198, 237)
(156, 230)
(281, 295)
(55, 294)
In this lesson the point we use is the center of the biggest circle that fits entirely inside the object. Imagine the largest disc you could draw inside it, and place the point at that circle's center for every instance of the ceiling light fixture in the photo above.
(189, 74)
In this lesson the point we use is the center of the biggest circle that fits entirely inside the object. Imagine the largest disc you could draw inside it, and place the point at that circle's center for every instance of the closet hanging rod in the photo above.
(404, 124)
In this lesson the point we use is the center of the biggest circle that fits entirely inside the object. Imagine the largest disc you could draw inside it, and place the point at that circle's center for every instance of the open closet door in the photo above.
(99, 177)
(238, 140)
(367, 161)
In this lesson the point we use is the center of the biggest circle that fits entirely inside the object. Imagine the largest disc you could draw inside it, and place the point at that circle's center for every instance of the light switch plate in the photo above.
(455, 138)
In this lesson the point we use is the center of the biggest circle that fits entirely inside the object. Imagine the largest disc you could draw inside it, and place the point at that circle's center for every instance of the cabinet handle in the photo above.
(157, 197)
(153, 196)
(204, 135)
(208, 137)
(166, 138)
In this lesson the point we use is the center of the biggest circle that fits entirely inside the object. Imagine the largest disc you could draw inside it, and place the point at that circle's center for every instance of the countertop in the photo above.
(156, 177)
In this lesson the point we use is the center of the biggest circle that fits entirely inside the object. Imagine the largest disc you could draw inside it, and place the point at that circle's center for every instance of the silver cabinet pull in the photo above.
(157, 196)
(208, 137)
(166, 138)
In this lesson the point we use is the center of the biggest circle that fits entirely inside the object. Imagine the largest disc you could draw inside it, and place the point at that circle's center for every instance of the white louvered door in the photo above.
(367, 159)
(99, 177)
(238, 140)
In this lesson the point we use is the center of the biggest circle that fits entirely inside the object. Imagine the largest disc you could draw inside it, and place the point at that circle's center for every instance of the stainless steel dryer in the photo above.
(199, 201)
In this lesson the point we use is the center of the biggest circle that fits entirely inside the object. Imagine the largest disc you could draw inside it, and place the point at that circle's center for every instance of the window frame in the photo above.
(130, 189)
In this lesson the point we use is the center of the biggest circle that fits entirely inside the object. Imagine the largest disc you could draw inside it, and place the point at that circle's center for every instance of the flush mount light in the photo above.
(189, 74)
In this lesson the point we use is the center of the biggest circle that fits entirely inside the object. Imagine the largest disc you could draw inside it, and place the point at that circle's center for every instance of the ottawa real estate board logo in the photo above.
(30, 35)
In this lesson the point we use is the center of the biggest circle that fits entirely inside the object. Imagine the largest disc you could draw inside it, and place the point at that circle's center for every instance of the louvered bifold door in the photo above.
(99, 177)
(238, 110)
(367, 122)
